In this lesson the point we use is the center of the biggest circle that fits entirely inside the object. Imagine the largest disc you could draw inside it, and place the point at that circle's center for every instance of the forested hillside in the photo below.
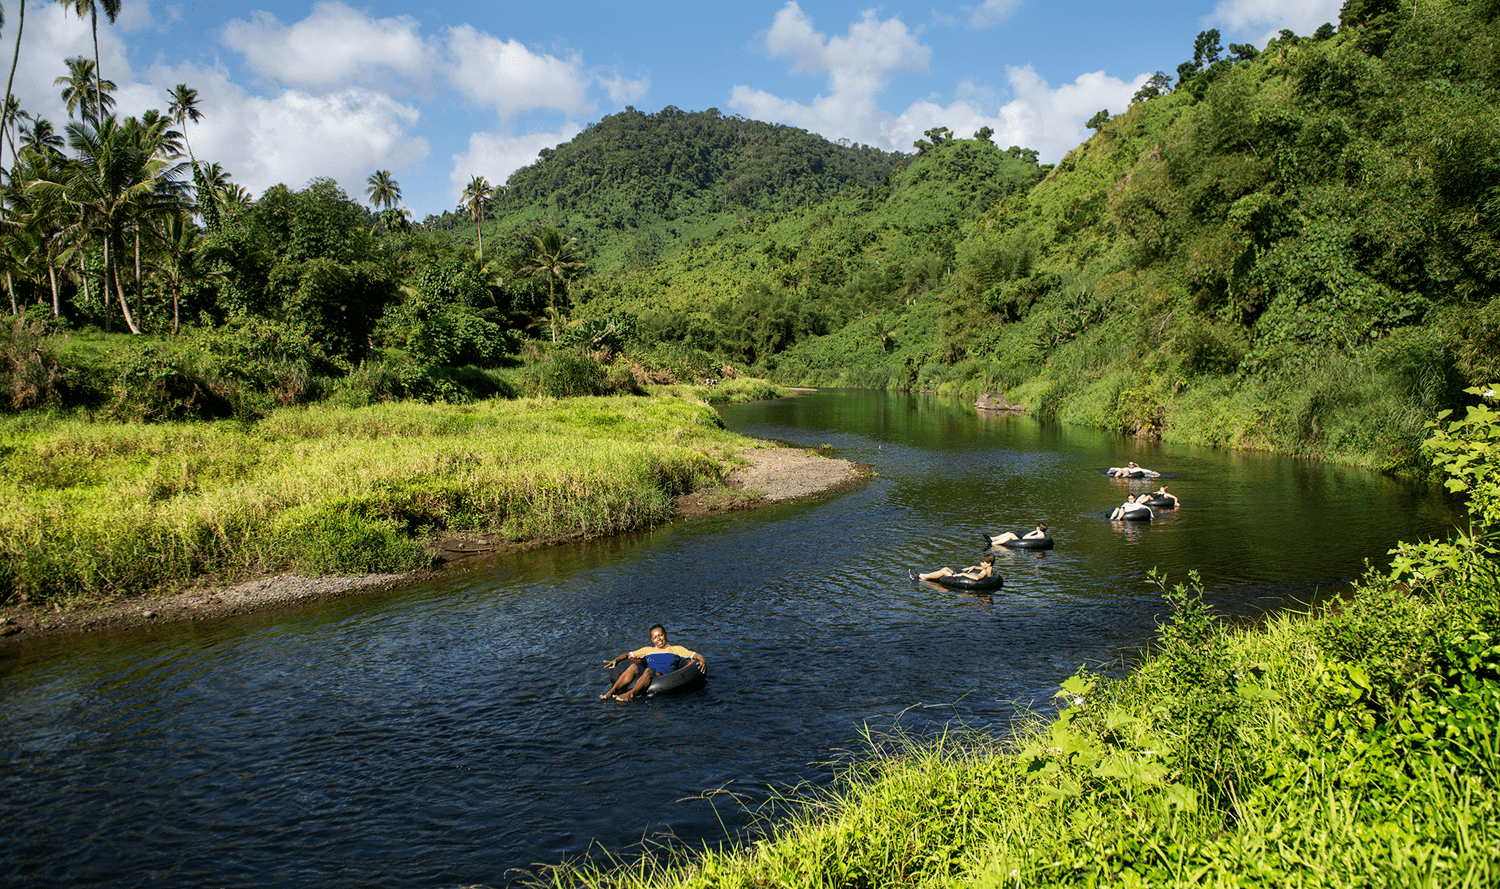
(635, 187)
(1293, 247)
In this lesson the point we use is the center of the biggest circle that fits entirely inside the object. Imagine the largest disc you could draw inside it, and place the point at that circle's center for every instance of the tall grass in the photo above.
(93, 511)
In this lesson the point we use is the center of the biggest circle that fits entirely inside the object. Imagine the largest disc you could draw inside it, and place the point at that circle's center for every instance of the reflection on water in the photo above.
(450, 733)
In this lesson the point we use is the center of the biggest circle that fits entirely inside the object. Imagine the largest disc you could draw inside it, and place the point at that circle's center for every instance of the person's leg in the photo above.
(627, 676)
(934, 575)
(1004, 536)
(641, 684)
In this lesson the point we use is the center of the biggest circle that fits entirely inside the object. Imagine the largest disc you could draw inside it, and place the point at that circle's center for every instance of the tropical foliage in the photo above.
(1292, 247)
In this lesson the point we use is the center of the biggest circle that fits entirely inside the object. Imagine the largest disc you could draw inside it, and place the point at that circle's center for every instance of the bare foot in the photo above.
(603, 696)
(623, 698)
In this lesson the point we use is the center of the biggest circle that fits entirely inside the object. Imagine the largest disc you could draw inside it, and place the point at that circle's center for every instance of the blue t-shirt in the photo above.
(664, 661)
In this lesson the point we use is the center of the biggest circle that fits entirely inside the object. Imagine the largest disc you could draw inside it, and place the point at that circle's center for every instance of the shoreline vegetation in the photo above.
(119, 525)
(1355, 745)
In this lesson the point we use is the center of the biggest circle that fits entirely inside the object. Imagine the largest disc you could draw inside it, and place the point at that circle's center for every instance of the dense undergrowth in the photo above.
(92, 511)
(1356, 746)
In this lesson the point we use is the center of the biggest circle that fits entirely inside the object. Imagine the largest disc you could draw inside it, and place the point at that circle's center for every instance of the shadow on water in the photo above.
(450, 733)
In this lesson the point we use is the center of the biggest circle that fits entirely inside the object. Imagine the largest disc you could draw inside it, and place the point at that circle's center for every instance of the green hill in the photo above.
(1295, 248)
(634, 187)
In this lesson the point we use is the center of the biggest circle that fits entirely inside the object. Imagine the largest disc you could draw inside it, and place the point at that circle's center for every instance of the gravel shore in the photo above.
(771, 475)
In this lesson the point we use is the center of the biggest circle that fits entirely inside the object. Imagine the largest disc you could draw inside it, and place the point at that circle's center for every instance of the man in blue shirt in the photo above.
(648, 662)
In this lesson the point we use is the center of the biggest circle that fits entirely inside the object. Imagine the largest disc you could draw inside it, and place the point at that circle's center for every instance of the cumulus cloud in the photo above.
(495, 157)
(1052, 120)
(508, 77)
(623, 90)
(294, 136)
(333, 47)
(992, 12)
(1039, 116)
(1270, 16)
(857, 64)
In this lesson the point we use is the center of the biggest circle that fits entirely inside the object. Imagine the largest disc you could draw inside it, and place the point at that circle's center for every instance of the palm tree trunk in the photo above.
(10, 286)
(98, 74)
(56, 303)
(124, 305)
(83, 276)
(104, 297)
(14, 56)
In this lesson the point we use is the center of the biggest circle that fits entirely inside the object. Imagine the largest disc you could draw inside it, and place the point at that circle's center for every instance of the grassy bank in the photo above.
(91, 512)
(1358, 746)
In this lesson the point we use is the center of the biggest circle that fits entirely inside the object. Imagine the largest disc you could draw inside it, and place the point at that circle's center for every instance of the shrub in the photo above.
(28, 366)
(567, 375)
(155, 383)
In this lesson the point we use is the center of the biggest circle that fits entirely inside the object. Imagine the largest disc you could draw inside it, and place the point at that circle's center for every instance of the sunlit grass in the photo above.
(91, 511)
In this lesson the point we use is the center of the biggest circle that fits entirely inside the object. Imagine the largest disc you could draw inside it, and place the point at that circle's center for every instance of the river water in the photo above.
(450, 733)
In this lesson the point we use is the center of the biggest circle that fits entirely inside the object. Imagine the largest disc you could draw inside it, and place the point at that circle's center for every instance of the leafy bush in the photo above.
(263, 356)
(29, 370)
(158, 383)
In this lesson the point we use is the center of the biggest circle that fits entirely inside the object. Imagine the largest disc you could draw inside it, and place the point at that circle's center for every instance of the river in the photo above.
(450, 733)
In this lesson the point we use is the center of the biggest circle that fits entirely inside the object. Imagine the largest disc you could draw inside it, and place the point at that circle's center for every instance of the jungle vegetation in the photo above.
(1292, 247)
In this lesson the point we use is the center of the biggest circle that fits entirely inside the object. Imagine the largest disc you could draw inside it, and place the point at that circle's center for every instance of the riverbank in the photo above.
(769, 474)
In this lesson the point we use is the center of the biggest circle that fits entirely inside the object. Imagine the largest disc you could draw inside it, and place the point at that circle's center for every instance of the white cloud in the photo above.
(858, 66)
(506, 76)
(993, 12)
(1049, 120)
(1052, 120)
(333, 47)
(622, 90)
(495, 157)
(859, 63)
(1270, 16)
(297, 136)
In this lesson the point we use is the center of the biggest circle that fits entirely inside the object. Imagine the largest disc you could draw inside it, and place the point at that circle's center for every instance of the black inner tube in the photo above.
(963, 582)
(684, 678)
(1044, 542)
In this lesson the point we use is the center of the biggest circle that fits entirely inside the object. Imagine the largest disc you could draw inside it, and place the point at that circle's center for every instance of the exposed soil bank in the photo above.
(773, 475)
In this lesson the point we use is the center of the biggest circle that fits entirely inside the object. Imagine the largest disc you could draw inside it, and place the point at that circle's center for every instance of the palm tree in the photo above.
(185, 258)
(33, 216)
(476, 199)
(91, 9)
(84, 92)
(42, 138)
(384, 191)
(555, 259)
(9, 117)
(234, 198)
(118, 180)
(183, 109)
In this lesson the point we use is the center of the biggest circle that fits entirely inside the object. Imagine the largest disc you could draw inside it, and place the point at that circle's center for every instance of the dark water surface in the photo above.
(449, 733)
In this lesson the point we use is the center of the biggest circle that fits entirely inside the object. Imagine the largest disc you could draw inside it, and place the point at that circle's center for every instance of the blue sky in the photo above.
(292, 89)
